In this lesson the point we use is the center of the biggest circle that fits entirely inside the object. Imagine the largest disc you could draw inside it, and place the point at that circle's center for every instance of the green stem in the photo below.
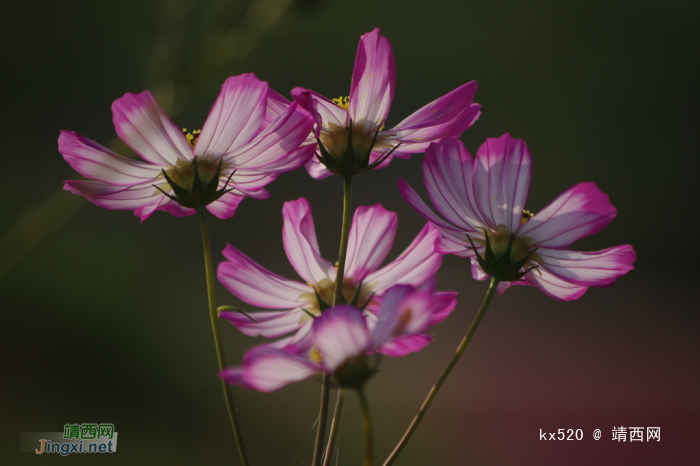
(334, 427)
(214, 315)
(367, 425)
(345, 233)
(337, 298)
(433, 391)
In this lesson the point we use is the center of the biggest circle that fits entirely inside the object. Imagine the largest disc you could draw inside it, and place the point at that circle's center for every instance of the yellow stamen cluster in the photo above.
(315, 356)
(527, 215)
(191, 137)
(342, 102)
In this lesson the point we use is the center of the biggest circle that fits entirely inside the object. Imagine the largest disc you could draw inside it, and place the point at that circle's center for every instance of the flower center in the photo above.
(499, 240)
(182, 173)
(315, 355)
(342, 102)
(326, 288)
(527, 215)
(191, 137)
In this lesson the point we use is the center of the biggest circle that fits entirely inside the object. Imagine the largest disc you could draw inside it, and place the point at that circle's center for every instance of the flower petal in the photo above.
(553, 286)
(340, 333)
(414, 266)
(373, 80)
(316, 169)
(447, 229)
(267, 324)
(405, 344)
(599, 268)
(300, 244)
(578, 212)
(143, 126)
(275, 149)
(371, 236)
(324, 111)
(235, 117)
(448, 115)
(502, 172)
(267, 369)
(253, 284)
(447, 172)
(144, 199)
(101, 164)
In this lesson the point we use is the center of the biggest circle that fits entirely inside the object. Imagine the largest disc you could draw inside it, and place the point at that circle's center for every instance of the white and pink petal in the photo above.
(578, 212)
(373, 80)
(257, 286)
(371, 237)
(597, 268)
(300, 244)
(236, 116)
(144, 126)
(502, 171)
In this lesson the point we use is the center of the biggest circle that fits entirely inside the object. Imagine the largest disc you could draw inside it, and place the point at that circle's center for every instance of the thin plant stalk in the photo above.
(335, 423)
(367, 427)
(433, 391)
(214, 315)
(337, 295)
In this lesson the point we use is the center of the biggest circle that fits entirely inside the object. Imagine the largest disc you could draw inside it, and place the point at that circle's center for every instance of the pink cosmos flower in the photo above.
(371, 237)
(367, 107)
(342, 336)
(249, 137)
(485, 199)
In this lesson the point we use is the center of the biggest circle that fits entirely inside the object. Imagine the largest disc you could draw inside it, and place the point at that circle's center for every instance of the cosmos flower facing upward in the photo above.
(371, 237)
(248, 139)
(341, 338)
(351, 129)
(483, 202)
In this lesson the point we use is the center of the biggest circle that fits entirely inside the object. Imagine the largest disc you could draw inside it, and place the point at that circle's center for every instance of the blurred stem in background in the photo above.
(193, 46)
(335, 423)
(493, 286)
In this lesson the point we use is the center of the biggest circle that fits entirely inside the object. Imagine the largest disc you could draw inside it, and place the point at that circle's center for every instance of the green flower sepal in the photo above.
(199, 195)
(503, 268)
(352, 163)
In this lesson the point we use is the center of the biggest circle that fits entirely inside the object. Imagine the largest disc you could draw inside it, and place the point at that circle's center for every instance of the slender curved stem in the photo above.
(214, 315)
(337, 298)
(433, 391)
(334, 427)
(367, 425)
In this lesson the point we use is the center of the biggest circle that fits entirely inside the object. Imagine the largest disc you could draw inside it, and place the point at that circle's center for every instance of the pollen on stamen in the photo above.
(315, 356)
(527, 215)
(342, 102)
(191, 137)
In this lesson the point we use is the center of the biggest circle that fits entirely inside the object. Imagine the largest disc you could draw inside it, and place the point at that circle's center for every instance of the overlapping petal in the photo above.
(235, 117)
(488, 195)
(373, 80)
(340, 334)
(598, 268)
(144, 126)
(501, 181)
(252, 133)
(371, 94)
(578, 212)
(371, 237)
(267, 369)
(256, 285)
(300, 244)
(415, 265)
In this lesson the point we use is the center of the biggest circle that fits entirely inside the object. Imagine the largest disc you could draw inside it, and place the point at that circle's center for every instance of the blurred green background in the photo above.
(105, 319)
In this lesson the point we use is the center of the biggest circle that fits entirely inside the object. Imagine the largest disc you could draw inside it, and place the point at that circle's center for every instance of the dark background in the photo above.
(104, 319)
